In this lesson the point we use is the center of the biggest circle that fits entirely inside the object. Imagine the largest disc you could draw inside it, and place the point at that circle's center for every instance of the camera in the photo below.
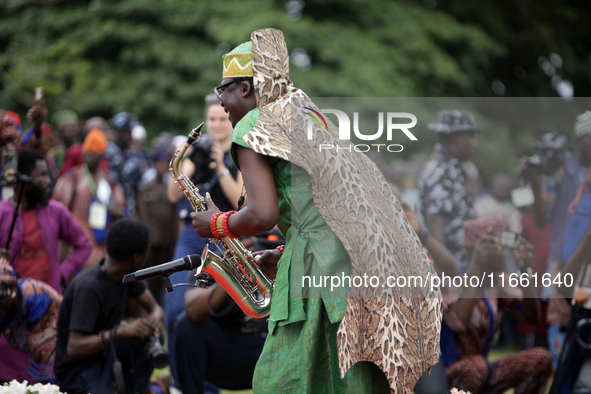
(508, 239)
(201, 157)
(551, 148)
(155, 352)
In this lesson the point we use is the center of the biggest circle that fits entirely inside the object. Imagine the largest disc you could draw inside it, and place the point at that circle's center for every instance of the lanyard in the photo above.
(89, 180)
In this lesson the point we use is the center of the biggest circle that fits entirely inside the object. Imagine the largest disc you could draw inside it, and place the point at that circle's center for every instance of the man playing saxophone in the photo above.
(313, 337)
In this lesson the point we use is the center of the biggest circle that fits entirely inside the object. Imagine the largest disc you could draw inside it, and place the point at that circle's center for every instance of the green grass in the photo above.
(495, 354)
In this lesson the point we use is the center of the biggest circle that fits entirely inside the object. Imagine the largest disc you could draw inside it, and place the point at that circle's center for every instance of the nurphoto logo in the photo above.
(393, 125)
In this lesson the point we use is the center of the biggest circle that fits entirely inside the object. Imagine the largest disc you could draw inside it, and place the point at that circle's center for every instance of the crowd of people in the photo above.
(459, 213)
(91, 202)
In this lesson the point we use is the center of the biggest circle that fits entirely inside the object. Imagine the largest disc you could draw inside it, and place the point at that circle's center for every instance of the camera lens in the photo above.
(155, 352)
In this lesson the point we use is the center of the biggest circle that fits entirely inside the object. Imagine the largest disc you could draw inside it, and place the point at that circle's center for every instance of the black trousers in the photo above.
(205, 351)
(98, 378)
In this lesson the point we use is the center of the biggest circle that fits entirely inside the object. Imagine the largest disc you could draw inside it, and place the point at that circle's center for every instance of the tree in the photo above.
(547, 45)
(159, 59)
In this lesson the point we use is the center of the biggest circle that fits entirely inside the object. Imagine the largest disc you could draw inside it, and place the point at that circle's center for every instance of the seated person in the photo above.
(28, 319)
(94, 304)
(471, 321)
(216, 342)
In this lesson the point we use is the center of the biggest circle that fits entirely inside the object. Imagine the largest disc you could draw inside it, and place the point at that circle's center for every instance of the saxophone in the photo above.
(236, 270)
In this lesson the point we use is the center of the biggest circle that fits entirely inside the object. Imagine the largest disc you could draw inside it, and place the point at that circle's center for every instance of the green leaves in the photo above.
(159, 59)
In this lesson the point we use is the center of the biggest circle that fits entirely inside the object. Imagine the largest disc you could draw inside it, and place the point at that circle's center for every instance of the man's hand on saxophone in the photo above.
(261, 212)
(267, 260)
(201, 220)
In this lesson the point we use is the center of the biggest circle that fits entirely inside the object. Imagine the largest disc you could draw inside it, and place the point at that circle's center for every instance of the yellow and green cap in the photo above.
(238, 62)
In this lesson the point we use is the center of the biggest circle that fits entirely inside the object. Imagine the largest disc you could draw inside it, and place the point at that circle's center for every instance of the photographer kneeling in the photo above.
(89, 317)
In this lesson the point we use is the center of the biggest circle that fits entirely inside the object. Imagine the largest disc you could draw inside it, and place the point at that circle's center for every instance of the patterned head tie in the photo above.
(451, 121)
(238, 62)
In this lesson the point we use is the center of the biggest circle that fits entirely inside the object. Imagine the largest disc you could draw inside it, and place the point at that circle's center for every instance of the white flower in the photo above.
(15, 387)
(44, 389)
(456, 391)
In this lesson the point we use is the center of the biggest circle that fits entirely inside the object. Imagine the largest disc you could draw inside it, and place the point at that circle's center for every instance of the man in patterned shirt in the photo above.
(445, 195)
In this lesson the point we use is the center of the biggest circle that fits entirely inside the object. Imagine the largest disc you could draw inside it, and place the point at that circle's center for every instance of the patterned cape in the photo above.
(395, 328)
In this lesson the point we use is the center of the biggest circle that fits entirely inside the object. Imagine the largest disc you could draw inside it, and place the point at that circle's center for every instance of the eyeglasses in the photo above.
(222, 88)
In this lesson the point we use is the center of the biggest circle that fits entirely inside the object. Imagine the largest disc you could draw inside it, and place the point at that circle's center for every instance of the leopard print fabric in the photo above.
(396, 328)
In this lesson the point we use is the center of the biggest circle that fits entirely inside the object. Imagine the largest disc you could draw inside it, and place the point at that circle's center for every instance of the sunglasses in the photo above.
(220, 89)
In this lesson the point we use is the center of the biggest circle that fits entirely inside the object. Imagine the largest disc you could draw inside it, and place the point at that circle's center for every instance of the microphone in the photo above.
(187, 263)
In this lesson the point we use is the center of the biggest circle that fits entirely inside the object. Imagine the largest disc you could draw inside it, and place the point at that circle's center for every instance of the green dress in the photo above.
(300, 353)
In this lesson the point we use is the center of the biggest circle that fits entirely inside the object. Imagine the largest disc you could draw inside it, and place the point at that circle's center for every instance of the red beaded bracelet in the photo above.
(219, 226)
(225, 224)
(281, 248)
(212, 225)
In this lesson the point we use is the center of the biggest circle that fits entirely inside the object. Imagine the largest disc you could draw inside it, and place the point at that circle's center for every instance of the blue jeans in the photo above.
(99, 377)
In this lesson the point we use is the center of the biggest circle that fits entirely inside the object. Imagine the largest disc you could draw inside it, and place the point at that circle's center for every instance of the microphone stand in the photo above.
(25, 180)
(167, 283)
(200, 282)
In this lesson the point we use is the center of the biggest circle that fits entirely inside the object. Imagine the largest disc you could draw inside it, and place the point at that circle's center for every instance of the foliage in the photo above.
(159, 59)
(546, 42)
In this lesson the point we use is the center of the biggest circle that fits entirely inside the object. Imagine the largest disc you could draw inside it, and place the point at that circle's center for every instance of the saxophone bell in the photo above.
(253, 297)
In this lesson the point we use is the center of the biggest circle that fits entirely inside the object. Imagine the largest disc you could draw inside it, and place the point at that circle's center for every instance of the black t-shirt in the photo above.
(215, 189)
(93, 302)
